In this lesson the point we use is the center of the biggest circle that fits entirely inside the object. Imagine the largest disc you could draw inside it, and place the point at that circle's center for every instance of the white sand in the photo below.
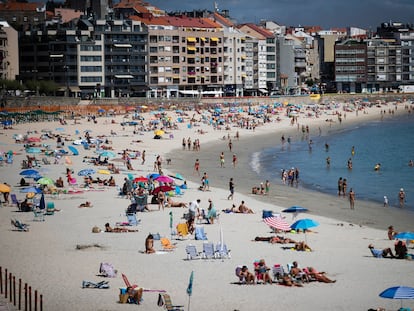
(46, 256)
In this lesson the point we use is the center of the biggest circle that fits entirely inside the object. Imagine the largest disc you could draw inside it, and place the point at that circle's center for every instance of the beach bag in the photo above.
(107, 269)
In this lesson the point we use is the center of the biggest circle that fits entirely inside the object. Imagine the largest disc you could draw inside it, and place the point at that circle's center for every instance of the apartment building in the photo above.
(384, 65)
(9, 57)
(97, 58)
(351, 66)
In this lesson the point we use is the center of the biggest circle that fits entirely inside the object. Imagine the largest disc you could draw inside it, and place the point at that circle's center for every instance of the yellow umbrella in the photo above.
(105, 172)
(159, 132)
(4, 188)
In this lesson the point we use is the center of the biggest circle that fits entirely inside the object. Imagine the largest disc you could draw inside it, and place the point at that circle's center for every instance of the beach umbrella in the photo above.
(159, 132)
(190, 288)
(140, 179)
(398, 292)
(29, 172)
(42, 203)
(31, 190)
(73, 150)
(153, 175)
(277, 223)
(164, 179)
(404, 236)
(33, 150)
(162, 188)
(104, 172)
(101, 110)
(295, 210)
(33, 140)
(177, 176)
(86, 172)
(108, 154)
(4, 188)
(304, 224)
(45, 181)
(171, 223)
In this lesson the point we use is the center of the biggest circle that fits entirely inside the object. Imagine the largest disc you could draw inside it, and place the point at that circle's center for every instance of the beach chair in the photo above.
(164, 300)
(199, 233)
(19, 226)
(208, 251)
(15, 201)
(89, 284)
(192, 252)
(222, 251)
(167, 245)
(39, 214)
(278, 272)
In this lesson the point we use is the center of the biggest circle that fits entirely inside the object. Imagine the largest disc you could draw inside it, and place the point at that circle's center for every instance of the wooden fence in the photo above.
(21, 296)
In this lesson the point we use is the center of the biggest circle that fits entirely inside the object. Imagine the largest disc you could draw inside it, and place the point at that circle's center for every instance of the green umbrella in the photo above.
(45, 181)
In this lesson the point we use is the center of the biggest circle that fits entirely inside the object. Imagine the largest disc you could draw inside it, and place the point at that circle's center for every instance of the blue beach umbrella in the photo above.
(31, 190)
(73, 150)
(295, 209)
(29, 172)
(108, 154)
(304, 224)
(190, 288)
(86, 172)
(398, 292)
(404, 236)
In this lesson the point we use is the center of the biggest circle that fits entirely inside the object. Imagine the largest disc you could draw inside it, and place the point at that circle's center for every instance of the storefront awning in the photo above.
(203, 39)
(119, 45)
(191, 39)
(124, 76)
(214, 39)
(263, 91)
(75, 89)
(191, 48)
(189, 92)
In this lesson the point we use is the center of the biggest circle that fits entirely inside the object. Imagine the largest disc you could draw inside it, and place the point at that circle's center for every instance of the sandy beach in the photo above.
(47, 256)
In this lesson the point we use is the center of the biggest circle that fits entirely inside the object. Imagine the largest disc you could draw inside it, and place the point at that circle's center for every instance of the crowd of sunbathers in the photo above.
(294, 277)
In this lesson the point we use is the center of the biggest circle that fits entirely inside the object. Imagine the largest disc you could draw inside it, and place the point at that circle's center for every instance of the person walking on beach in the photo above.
(344, 186)
(222, 159)
(234, 160)
(143, 157)
(351, 199)
(197, 167)
(401, 197)
(231, 188)
(230, 145)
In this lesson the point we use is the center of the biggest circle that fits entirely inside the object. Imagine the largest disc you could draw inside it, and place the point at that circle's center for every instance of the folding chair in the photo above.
(165, 300)
(192, 252)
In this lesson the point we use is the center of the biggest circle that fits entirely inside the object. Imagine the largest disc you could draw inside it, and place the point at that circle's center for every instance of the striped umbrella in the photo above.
(277, 223)
(398, 292)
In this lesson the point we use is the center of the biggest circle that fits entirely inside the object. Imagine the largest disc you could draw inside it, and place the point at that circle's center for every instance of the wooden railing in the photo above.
(19, 295)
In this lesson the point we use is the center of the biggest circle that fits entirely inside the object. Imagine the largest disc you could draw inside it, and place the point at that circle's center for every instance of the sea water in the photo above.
(389, 142)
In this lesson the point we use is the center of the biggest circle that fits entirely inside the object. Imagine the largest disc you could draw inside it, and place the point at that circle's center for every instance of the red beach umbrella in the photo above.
(277, 223)
(140, 179)
(162, 188)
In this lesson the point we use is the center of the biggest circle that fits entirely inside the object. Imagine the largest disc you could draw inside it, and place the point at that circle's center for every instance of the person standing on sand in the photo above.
(230, 145)
(231, 188)
(351, 199)
(401, 197)
(267, 187)
(197, 167)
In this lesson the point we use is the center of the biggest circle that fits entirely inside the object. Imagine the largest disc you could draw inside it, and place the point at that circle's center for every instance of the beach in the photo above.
(48, 258)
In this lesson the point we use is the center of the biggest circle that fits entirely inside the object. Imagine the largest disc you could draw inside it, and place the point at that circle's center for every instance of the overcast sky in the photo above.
(367, 14)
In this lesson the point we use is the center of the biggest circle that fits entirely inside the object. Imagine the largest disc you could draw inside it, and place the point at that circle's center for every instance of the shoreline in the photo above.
(338, 247)
(367, 213)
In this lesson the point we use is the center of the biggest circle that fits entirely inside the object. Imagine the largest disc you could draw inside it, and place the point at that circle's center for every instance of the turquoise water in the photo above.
(389, 142)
